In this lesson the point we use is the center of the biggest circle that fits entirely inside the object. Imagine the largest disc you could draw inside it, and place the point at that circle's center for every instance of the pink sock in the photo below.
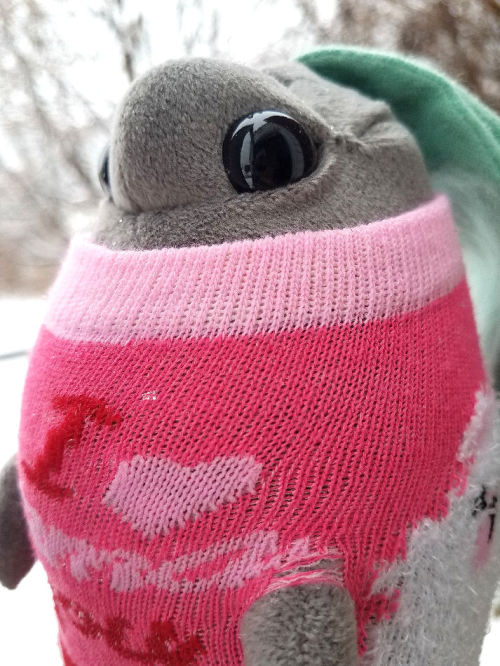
(199, 420)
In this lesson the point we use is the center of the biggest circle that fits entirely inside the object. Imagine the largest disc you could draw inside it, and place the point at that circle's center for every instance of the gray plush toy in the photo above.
(210, 166)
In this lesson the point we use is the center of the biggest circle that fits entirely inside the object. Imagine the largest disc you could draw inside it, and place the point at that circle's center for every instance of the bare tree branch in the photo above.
(494, 5)
(129, 34)
(462, 36)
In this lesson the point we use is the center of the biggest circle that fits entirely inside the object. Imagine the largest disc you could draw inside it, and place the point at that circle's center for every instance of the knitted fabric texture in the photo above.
(200, 424)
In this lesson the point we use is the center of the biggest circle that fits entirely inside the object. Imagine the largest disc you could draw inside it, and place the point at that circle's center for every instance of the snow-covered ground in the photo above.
(28, 625)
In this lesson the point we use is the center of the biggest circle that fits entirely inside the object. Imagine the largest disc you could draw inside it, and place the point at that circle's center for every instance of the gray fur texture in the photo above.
(168, 183)
(305, 625)
(16, 555)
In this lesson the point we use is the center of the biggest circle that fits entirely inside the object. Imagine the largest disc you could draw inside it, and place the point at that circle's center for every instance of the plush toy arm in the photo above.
(302, 624)
(16, 554)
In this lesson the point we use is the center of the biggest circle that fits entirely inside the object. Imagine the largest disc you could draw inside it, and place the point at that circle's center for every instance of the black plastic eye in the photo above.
(104, 172)
(266, 150)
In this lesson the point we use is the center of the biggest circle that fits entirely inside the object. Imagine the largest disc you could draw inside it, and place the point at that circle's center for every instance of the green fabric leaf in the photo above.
(452, 126)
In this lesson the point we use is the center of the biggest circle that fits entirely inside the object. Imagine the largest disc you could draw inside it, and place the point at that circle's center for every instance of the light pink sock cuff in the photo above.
(310, 278)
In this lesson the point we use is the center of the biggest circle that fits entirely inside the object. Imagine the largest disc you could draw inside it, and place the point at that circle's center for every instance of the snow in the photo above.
(30, 605)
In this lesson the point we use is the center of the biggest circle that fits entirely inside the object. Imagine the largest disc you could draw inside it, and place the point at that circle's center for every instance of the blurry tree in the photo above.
(462, 36)
(31, 162)
(129, 32)
(199, 24)
(49, 129)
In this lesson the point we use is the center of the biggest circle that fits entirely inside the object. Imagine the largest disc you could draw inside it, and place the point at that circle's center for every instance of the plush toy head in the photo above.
(173, 160)
(257, 427)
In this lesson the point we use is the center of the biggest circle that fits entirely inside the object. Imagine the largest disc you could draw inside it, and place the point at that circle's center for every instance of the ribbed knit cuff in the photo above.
(311, 278)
